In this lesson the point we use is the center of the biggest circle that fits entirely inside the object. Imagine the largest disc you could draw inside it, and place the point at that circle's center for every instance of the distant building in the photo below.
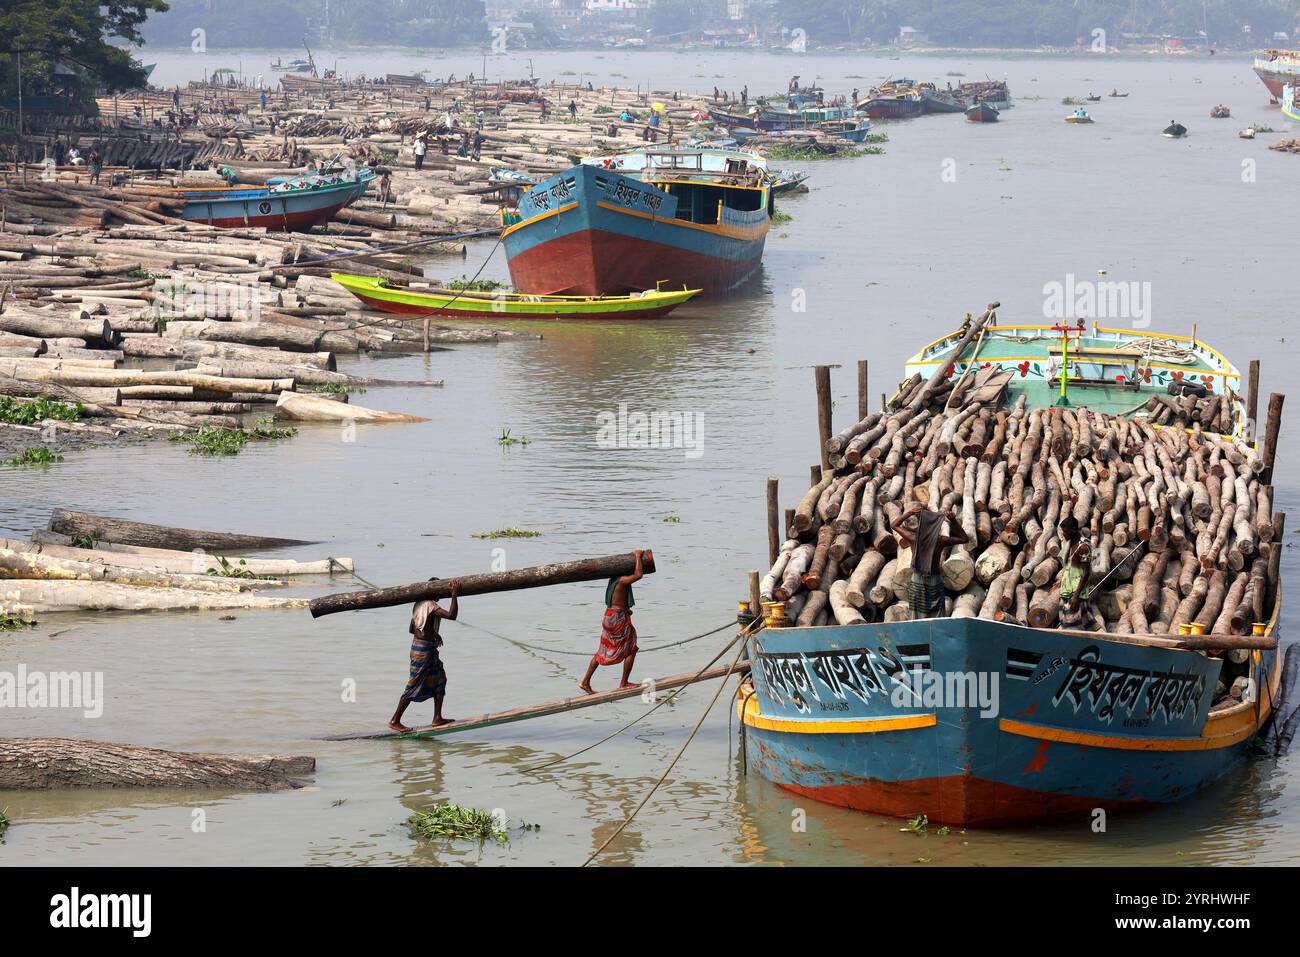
(909, 35)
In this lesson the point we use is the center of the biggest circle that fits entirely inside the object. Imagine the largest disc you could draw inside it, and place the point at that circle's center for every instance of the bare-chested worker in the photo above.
(428, 678)
(925, 591)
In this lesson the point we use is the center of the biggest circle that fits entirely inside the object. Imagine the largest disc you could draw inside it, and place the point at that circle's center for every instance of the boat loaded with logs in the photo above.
(1148, 441)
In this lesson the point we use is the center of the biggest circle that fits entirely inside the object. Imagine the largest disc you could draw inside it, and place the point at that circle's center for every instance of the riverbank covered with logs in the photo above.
(121, 321)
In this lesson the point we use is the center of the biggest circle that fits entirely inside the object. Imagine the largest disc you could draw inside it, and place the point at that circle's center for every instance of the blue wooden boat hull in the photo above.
(1067, 722)
(593, 232)
(288, 210)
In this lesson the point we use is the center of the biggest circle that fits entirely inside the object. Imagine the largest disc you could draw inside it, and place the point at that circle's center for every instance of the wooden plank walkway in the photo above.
(558, 706)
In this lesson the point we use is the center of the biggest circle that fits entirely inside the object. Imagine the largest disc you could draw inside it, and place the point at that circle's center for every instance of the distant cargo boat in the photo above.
(982, 113)
(286, 205)
(995, 92)
(1277, 68)
(934, 100)
(461, 304)
(618, 224)
(1289, 105)
(901, 106)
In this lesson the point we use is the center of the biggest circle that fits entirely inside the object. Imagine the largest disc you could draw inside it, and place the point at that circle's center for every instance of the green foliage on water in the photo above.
(513, 531)
(506, 440)
(227, 569)
(332, 388)
(780, 218)
(34, 456)
(37, 410)
(4, 823)
(877, 138)
(795, 151)
(465, 284)
(1072, 101)
(219, 440)
(10, 622)
(452, 820)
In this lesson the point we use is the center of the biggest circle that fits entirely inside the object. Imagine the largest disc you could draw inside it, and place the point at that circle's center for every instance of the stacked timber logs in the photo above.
(1180, 521)
(95, 562)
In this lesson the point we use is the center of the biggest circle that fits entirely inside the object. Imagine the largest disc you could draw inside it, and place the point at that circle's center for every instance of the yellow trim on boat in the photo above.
(537, 219)
(904, 722)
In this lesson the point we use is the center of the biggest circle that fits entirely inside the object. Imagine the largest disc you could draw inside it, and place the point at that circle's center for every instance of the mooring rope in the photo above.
(646, 714)
(673, 763)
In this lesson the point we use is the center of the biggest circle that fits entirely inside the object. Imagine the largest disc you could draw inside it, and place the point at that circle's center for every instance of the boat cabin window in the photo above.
(699, 202)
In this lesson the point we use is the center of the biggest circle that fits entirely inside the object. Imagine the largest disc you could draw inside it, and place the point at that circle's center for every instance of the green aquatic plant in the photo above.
(452, 820)
(512, 532)
(1072, 101)
(226, 569)
(780, 218)
(4, 823)
(506, 440)
(34, 456)
(918, 825)
(333, 388)
(37, 410)
(673, 519)
(465, 284)
(11, 622)
(219, 440)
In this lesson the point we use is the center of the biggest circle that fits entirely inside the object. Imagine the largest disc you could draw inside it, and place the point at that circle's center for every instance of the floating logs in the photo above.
(102, 528)
(46, 764)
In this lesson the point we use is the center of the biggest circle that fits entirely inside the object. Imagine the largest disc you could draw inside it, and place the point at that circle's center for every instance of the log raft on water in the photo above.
(83, 525)
(48, 764)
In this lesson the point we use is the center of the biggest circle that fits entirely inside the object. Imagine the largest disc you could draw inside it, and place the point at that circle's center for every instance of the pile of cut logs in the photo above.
(92, 562)
(1180, 521)
(87, 315)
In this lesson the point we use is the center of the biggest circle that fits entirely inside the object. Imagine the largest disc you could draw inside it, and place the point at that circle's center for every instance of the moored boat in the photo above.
(981, 717)
(291, 204)
(618, 224)
(1289, 105)
(934, 100)
(896, 106)
(1277, 68)
(458, 303)
(982, 113)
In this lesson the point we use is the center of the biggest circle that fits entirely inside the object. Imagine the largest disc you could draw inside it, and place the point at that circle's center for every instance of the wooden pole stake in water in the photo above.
(1252, 398)
(823, 377)
(773, 517)
(864, 400)
(1271, 433)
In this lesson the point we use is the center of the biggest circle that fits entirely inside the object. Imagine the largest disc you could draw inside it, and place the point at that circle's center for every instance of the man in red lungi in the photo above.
(617, 636)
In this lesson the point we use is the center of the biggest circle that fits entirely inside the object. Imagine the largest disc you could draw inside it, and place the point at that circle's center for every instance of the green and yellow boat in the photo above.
(465, 304)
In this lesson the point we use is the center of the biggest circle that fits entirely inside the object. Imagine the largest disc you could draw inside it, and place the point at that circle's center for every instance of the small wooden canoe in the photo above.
(453, 303)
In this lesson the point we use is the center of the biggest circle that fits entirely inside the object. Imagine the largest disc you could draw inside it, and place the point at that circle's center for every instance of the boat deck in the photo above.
(1111, 370)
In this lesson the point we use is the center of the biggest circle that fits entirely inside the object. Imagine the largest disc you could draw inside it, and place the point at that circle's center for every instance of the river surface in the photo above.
(885, 253)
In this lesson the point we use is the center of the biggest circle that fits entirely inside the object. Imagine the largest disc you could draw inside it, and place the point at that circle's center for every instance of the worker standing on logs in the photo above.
(1075, 575)
(925, 590)
(617, 634)
(428, 677)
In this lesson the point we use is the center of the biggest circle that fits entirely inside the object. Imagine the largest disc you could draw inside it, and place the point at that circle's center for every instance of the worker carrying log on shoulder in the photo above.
(1076, 573)
(617, 635)
(925, 590)
(428, 678)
